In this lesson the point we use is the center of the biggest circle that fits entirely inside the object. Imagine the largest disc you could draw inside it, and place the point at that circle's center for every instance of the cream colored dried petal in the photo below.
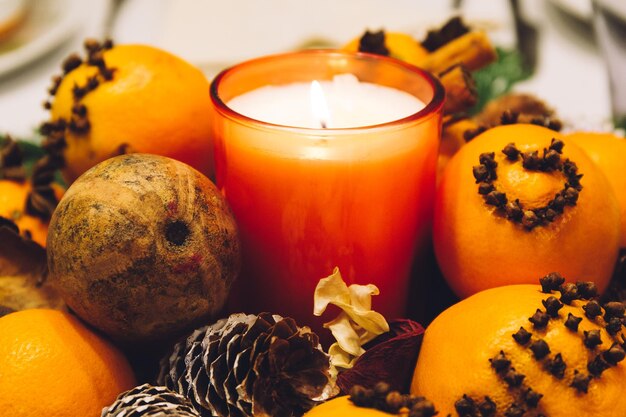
(339, 358)
(361, 296)
(357, 323)
(330, 290)
(370, 320)
(345, 335)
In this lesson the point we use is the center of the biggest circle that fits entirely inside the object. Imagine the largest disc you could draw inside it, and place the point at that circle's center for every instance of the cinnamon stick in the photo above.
(460, 89)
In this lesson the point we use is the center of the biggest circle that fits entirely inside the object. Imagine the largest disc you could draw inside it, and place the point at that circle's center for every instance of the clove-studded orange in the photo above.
(520, 201)
(516, 350)
(129, 98)
(609, 152)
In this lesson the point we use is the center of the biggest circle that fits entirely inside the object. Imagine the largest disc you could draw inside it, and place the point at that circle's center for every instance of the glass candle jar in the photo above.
(309, 199)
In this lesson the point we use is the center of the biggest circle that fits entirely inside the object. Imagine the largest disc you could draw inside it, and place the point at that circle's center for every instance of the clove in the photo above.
(614, 355)
(361, 396)
(592, 338)
(556, 366)
(71, 62)
(572, 322)
(394, 401)
(532, 398)
(530, 220)
(614, 309)
(592, 309)
(511, 152)
(597, 366)
(531, 160)
(613, 326)
(485, 188)
(522, 336)
(488, 159)
(570, 194)
(509, 117)
(557, 145)
(539, 319)
(552, 306)
(487, 407)
(513, 210)
(580, 382)
(551, 160)
(540, 349)
(513, 378)
(570, 168)
(514, 410)
(551, 282)
(496, 198)
(470, 134)
(500, 363)
(465, 406)
(569, 293)
(587, 290)
(481, 173)
(422, 408)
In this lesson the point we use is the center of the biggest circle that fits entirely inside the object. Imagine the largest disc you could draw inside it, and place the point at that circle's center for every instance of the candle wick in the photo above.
(323, 124)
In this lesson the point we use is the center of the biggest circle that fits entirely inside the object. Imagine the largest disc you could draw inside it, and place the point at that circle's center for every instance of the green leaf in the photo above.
(498, 78)
(620, 123)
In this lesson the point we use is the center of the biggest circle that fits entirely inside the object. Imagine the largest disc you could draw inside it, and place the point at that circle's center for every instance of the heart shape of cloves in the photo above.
(550, 162)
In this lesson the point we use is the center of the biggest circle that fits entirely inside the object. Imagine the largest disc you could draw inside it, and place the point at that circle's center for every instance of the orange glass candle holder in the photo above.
(307, 200)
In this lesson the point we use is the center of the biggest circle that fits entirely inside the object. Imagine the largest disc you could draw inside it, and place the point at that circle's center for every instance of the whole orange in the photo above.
(458, 345)
(609, 152)
(343, 407)
(52, 365)
(155, 103)
(13, 195)
(479, 247)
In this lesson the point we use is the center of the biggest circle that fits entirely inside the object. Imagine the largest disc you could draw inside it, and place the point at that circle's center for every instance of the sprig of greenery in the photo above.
(620, 123)
(499, 78)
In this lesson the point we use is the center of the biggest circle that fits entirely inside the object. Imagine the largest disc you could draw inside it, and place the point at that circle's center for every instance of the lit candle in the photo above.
(357, 194)
(343, 102)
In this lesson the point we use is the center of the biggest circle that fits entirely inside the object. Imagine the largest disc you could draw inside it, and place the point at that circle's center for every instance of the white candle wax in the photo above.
(351, 103)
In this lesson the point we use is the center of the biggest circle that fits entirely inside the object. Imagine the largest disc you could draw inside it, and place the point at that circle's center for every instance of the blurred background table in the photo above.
(570, 73)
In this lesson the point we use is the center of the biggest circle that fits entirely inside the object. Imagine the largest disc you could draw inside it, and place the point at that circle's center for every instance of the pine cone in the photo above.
(150, 401)
(249, 365)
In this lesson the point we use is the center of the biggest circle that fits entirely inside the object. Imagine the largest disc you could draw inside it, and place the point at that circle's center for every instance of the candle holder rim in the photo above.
(430, 109)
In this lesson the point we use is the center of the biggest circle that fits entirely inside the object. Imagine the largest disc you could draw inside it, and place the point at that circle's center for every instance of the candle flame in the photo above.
(319, 106)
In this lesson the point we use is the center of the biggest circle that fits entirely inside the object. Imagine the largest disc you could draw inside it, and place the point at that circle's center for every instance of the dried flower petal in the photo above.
(357, 324)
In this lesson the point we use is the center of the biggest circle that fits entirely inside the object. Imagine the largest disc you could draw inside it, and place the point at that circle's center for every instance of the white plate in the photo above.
(47, 24)
(580, 9)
